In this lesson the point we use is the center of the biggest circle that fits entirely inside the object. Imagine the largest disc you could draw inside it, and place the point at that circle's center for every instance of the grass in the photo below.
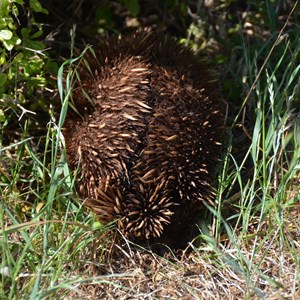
(52, 248)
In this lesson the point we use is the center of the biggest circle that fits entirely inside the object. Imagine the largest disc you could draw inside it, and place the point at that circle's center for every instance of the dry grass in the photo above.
(264, 265)
(205, 273)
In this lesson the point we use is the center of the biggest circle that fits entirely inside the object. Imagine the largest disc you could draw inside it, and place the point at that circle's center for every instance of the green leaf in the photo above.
(2, 58)
(3, 78)
(9, 46)
(5, 34)
(2, 116)
(19, 57)
(11, 25)
(104, 16)
(37, 34)
(133, 6)
(36, 5)
(4, 8)
(35, 45)
(25, 32)
(11, 43)
(52, 67)
(37, 81)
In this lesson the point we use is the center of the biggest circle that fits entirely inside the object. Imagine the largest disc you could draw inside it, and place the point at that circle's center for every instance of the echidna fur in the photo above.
(147, 136)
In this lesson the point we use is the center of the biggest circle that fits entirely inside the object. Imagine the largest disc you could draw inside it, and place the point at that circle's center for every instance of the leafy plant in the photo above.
(24, 63)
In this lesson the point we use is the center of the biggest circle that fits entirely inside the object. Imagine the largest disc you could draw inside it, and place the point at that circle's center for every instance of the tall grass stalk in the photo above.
(259, 224)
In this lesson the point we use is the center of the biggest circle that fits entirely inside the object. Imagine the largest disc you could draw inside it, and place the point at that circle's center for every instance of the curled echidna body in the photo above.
(147, 136)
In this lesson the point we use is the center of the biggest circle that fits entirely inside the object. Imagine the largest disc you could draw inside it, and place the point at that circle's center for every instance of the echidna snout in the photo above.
(148, 135)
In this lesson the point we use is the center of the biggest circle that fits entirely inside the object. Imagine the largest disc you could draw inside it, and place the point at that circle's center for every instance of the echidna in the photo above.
(147, 135)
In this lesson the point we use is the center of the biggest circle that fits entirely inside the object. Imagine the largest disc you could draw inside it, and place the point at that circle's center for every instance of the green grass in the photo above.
(52, 248)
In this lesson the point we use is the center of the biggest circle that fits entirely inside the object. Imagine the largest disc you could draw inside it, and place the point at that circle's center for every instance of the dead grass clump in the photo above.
(206, 273)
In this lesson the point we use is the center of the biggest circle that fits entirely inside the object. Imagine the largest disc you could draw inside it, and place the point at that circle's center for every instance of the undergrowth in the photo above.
(52, 248)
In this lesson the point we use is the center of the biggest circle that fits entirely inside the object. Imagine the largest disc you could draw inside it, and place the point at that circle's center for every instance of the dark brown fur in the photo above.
(148, 142)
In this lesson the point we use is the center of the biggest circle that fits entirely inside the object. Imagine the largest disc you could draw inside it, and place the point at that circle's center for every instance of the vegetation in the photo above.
(249, 243)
